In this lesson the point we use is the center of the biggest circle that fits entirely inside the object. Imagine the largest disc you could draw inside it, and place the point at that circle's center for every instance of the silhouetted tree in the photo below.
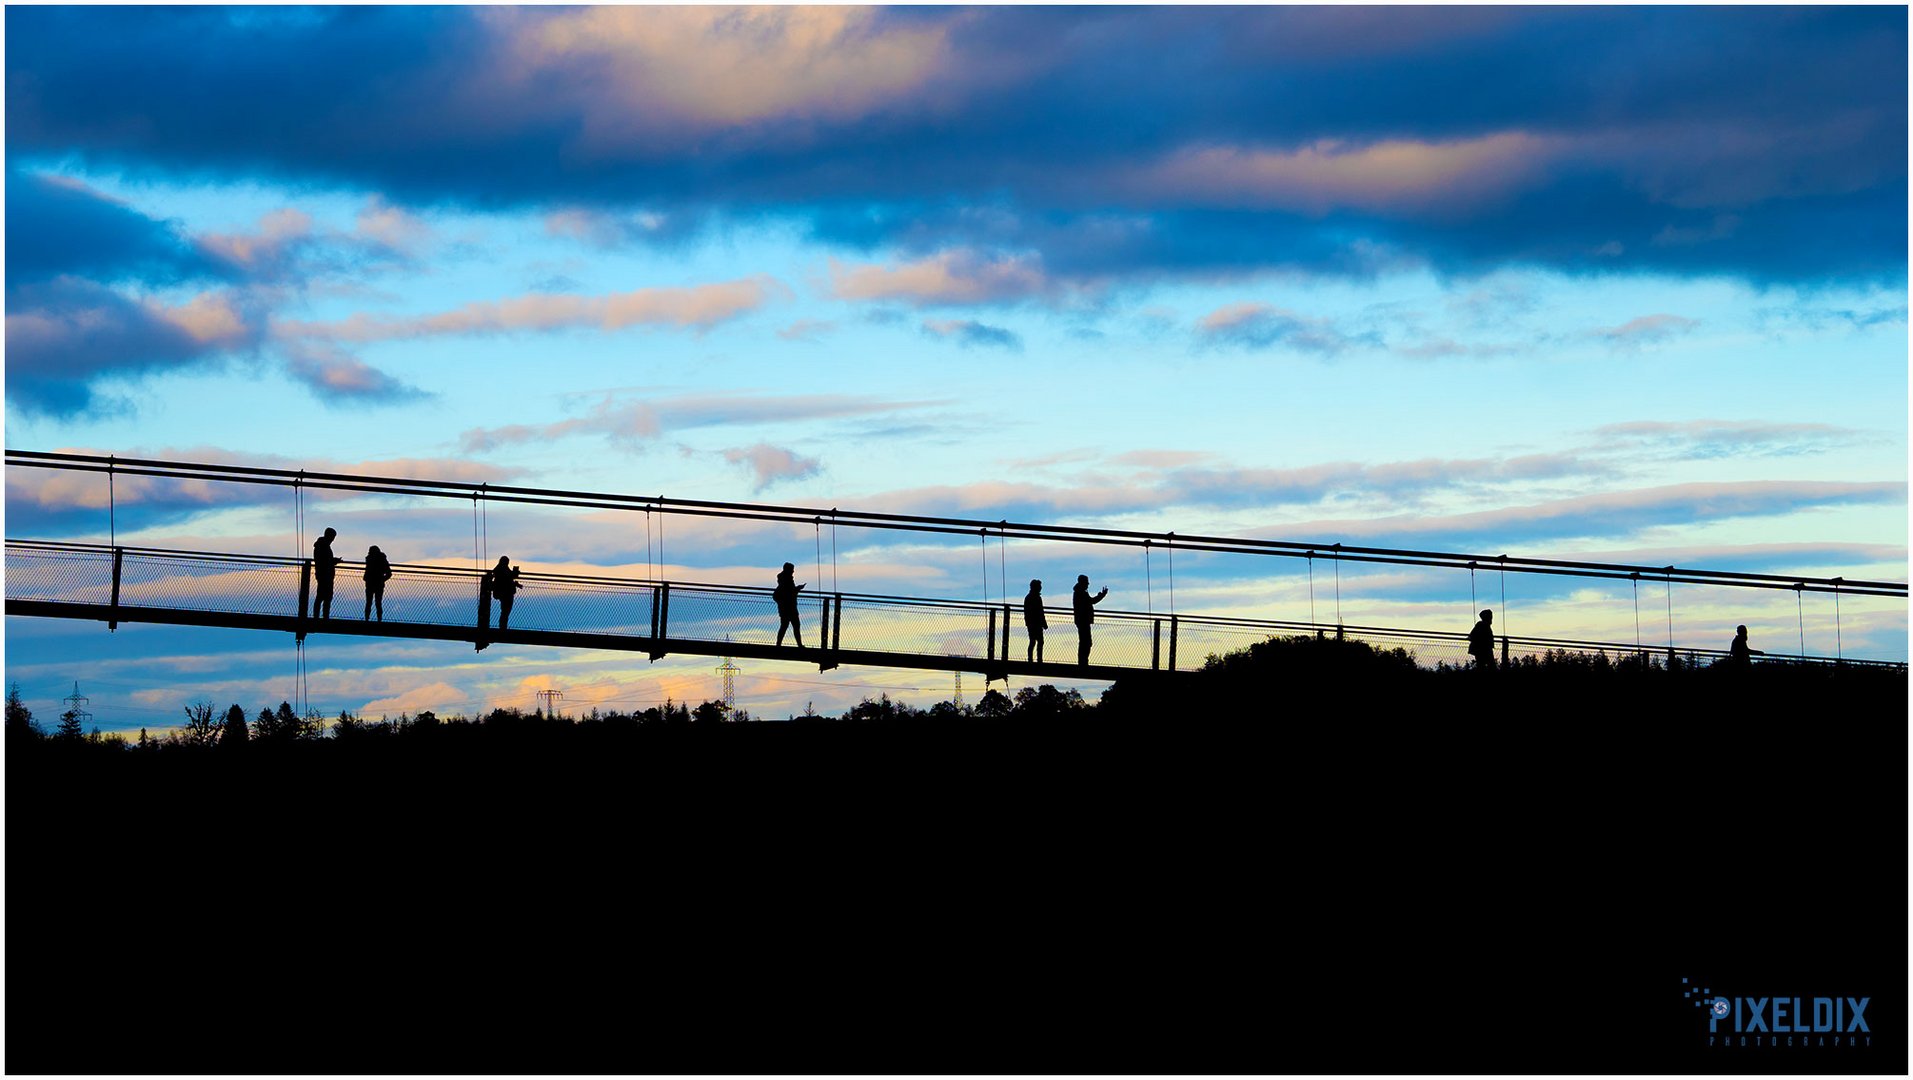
(710, 712)
(20, 723)
(234, 732)
(201, 729)
(70, 729)
(993, 703)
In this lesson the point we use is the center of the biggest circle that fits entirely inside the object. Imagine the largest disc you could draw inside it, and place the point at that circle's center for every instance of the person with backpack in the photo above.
(378, 571)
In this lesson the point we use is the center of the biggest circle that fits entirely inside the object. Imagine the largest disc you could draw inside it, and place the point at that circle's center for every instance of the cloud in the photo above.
(771, 464)
(57, 226)
(1611, 514)
(51, 502)
(806, 330)
(1098, 143)
(968, 332)
(631, 421)
(1647, 329)
(1390, 176)
(951, 277)
(1705, 439)
(716, 67)
(339, 378)
(66, 335)
(698, 307)
(1260, 326)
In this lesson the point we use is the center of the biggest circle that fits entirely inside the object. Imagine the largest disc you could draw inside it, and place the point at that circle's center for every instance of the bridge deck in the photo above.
(434, 602)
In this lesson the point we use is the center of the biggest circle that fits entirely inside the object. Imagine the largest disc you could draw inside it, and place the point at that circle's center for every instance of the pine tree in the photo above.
(235, 729)
(20, 723)
(70, 728)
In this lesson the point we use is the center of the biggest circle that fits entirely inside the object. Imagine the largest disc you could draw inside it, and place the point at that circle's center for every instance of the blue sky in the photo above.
(1620, 282)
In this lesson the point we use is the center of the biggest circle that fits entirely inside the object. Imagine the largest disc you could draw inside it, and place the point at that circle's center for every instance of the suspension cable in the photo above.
(648, 572)
(1839, 651)
(1800, 616)
(1311, 588)
(1148, 582)
(478, 563)
(1473, 604)
(486, 518)
(1504, 597)
(1637, 611)
(817, 535)
(1002, 558)
(983, 547)
(833, 549)
(1670, 614)
(112, 507)
(1338, 587)
(1169, 553)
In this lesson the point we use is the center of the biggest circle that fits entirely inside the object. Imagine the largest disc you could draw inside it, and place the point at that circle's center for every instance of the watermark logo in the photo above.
(1800, 1022)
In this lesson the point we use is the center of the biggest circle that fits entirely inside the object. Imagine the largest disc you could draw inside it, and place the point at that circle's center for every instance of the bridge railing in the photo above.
(127, 577)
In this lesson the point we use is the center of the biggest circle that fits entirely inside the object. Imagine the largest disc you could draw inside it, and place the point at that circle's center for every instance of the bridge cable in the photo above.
(1839, 653)
(478, 564)
(1800, 615)
(112, 508)
(1311, 588)
(1002, 560)
(1636, 577)
(1473, 604)
(817, 535)
(486, 518)
(1504, 599)
(983, 546)
(1338, 587)
(299, 692)
(1148, 583)
(647, 544)
(1670, 615)
(1170, 554)
(833, 552)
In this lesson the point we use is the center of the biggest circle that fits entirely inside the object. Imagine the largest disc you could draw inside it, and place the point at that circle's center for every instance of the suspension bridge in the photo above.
(118, 583)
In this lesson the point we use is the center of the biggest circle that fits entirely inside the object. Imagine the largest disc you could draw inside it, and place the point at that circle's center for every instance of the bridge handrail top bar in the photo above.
(923, 523)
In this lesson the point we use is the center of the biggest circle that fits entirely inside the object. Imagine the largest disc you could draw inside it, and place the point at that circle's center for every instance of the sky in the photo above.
(1613, 283)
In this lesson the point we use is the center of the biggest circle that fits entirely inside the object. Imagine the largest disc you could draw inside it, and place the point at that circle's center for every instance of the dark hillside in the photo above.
(1308, 858)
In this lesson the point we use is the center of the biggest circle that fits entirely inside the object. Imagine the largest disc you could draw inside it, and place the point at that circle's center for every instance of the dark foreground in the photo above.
(1407, 875)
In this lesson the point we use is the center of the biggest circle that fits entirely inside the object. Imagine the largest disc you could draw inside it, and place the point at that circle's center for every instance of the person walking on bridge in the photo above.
(324, 564)
(378, 571)
(785, 594)
(1481, 641)
(504, 582)
(1084, 608)
(1738, 654)
(1034, 621)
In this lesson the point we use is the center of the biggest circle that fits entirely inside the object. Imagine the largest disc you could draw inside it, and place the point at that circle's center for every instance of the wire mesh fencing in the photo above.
(98, 576)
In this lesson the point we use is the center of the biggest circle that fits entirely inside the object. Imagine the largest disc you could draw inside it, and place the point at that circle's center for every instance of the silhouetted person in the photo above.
(1034, 621)
(504, 582)
(1738, 654)
(378, 571)
(786, 596)
(1084, 606)
(1481, 641)
(323, 565)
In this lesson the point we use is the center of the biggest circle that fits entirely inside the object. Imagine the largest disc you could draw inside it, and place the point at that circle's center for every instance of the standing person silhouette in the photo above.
(1034, 621)
(1084, 608)
(324, 563)
(1481, 641)
(1738, 654)
(504, 581)
(378, 571)
(786, 596)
